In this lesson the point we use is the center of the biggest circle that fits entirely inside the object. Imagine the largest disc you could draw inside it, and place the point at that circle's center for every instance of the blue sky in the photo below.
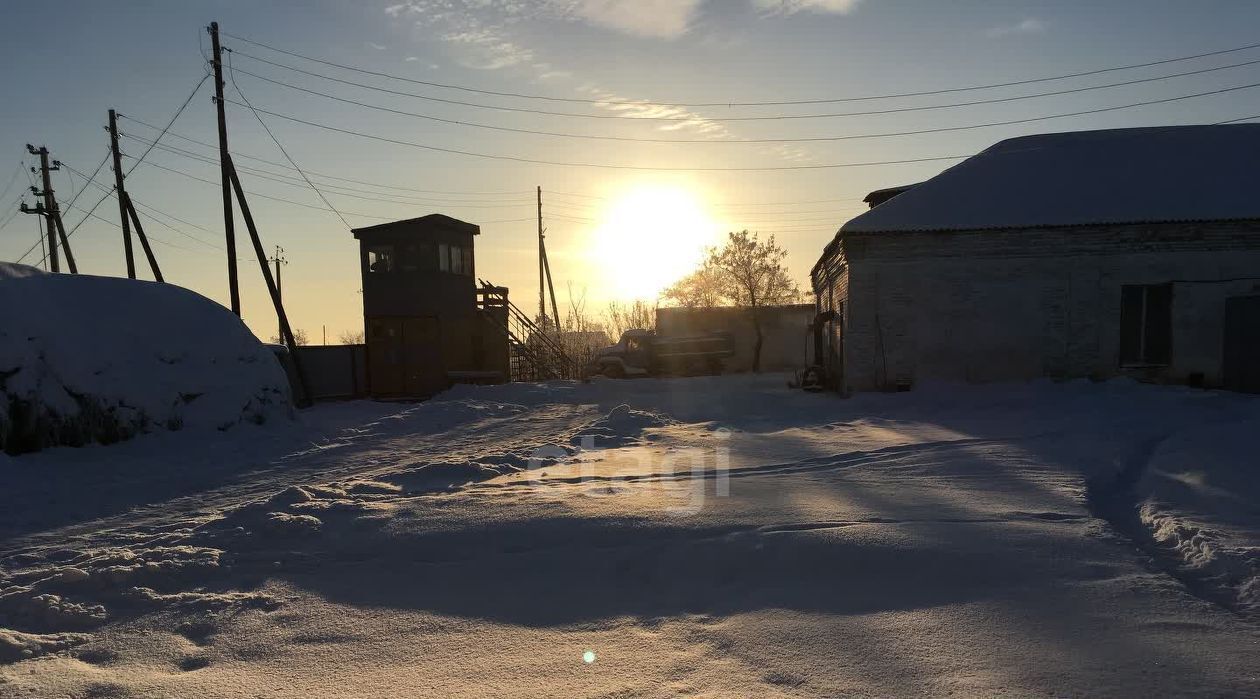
(144, 59)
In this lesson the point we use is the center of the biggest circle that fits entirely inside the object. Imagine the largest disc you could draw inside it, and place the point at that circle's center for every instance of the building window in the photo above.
(409, 258)
(381, 258)
(468, 260)
(444, 257)
(1146, 324)
(457, 260)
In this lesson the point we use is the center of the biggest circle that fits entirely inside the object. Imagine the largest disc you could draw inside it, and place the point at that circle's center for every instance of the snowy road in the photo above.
(718, 537)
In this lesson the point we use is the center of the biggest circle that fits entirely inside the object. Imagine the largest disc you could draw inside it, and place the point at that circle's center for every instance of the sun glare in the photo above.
(649, 238)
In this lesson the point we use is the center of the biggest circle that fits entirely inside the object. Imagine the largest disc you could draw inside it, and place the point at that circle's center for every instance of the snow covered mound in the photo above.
(97, 359)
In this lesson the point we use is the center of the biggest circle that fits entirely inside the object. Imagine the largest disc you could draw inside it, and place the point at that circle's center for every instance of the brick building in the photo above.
(1090, 254)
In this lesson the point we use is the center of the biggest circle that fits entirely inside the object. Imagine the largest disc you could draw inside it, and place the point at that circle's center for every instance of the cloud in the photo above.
(1031, 25)
(378, 47)
(665, 19)
(773, 8)
(489, 48)
(661, 19)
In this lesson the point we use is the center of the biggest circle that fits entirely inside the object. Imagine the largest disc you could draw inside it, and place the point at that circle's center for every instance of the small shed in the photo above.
(1124, 252)
(424, 328)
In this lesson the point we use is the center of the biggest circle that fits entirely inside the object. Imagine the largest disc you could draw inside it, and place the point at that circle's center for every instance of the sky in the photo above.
(625, 210)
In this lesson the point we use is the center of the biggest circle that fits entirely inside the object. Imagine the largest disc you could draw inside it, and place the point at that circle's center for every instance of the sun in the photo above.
(650, 237)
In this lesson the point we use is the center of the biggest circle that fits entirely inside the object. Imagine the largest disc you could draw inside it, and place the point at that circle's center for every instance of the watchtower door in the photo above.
(405, 356)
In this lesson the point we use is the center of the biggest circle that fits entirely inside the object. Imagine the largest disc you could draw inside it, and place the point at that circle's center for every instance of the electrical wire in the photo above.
(828, 100)
(605, 166)
(238, 154)
(945, 129)
(803, 139)
(171, 123)
(693, 118)
(232, 75)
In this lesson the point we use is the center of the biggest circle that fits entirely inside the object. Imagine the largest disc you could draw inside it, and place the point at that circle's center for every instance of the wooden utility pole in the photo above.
(279, 260)
(52, 216)
(544, 273)
(130, 208)
(53, 260)
(118, 187)
(286, 332)
(229, 224)
(542, 306)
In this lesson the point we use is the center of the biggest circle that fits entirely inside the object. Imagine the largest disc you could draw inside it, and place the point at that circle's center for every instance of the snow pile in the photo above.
(97, 359)
(1175, 173)
(1199, 498)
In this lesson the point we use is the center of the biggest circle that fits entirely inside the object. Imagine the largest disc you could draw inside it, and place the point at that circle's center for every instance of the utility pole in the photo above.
(225, 171)
(53, 259)
(52, 215)
(118, 187)
(542, 306)
(279, 260)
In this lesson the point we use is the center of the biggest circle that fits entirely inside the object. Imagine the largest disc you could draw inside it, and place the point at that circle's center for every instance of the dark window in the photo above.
(444, 257)
(381, 258)
(468, 261)
(409, 258)
(1146, 324)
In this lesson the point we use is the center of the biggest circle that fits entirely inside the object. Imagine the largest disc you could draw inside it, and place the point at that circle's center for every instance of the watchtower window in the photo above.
(456, 259)
(409, 258)
(381, 258)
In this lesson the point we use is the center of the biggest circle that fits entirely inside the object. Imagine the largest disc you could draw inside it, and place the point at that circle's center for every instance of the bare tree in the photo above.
(299, 336)
(621, 317)
(350, 337)
(702, 288)
(745, 272)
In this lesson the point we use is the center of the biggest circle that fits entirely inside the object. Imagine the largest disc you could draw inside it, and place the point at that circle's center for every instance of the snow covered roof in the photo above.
(1144, 175)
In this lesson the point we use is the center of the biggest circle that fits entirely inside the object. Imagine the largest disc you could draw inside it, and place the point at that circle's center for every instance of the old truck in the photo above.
(643, 353)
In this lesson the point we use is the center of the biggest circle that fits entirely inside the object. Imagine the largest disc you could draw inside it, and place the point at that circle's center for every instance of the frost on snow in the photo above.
(97, 359)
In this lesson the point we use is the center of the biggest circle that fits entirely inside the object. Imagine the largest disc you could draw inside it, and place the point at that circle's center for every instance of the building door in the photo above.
(425, 373)
(385, 356)
(1241, 363)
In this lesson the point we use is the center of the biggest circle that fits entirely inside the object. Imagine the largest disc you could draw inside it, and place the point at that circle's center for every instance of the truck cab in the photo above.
(643, 353)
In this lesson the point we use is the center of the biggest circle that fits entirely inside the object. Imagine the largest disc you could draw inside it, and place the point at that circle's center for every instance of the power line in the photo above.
(782, 167)
(232, 74)
(152, 210)
(774, 117)
(1234, 121)
(803, 139)
(238, 154)
(605, 166)
(171, 123)
(336, 189)
(828, 100)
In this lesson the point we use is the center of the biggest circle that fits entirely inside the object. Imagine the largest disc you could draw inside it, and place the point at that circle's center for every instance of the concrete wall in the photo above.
(1014, 304)
(785, 330)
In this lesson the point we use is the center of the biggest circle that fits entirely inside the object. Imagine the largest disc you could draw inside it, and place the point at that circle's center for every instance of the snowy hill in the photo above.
(97, 359)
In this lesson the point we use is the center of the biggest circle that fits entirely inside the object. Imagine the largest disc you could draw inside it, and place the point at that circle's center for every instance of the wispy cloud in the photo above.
(1032, 25)
(791, 7)
(666, 19)
(378, 47)
(489, 48)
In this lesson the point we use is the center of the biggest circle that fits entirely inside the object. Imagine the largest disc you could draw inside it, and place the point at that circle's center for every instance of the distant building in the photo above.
(424, 327)
(784, 329)
(1091, 254)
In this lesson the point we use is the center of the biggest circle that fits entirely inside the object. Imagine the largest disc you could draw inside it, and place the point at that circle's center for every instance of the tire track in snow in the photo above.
(1116, 501)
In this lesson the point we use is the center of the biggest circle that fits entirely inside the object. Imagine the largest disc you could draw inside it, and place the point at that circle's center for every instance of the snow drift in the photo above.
(98, 359)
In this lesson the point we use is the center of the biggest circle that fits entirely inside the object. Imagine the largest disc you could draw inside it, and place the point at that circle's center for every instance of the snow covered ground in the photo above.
(716, 536)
